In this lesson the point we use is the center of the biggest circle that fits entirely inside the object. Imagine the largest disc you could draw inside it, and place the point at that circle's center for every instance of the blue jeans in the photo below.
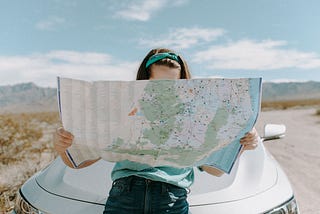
(139, 195)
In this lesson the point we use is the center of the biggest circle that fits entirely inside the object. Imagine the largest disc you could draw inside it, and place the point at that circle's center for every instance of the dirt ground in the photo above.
(298, 153)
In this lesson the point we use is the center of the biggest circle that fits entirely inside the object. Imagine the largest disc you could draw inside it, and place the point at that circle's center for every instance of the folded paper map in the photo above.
(179, 123)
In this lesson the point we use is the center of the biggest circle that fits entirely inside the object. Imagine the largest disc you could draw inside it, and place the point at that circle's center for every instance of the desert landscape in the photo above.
(27, 147)
(298, 153)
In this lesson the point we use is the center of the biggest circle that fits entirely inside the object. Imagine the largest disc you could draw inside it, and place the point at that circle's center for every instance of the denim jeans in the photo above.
(139, 195)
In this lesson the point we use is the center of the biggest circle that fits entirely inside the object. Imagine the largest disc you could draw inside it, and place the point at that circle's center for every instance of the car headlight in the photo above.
(289, 207)
(23, 207)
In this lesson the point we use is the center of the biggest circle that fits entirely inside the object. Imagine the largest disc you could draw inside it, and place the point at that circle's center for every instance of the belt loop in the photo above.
(129, 183)
(164, 187)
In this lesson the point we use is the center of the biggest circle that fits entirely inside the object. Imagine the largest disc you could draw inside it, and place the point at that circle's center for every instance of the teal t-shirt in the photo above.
(182, 177)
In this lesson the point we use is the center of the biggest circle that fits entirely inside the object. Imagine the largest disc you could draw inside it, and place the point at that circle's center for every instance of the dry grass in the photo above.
(26, 147)
(285, 104)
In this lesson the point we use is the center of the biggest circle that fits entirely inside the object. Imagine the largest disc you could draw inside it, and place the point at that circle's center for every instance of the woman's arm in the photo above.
(211, 170)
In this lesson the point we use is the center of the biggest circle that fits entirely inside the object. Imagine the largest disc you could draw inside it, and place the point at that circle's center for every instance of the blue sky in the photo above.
(277, 40)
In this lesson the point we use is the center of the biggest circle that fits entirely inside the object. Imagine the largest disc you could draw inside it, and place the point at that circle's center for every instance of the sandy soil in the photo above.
(31, 156)
(298, 153)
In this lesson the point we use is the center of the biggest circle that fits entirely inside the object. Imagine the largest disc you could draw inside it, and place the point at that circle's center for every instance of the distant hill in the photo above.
(28, 97)
(290, 91)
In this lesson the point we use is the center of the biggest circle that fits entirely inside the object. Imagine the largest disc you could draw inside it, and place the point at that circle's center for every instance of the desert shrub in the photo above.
(318, 112)
(25, 147)
(20, 132)
(16, 135)
(285, 104)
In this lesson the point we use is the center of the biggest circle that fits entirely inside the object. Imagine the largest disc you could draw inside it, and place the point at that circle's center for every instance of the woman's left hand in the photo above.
(250, 140)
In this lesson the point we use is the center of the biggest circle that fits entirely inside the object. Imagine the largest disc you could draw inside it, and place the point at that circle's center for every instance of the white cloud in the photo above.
(286, 80)
(183, 38)
(253, 55)
(142, 10)
(43, 69)
(50, 24)
(79, 58)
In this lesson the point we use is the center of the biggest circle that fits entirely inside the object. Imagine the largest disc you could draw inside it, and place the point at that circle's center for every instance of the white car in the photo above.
(257, 184)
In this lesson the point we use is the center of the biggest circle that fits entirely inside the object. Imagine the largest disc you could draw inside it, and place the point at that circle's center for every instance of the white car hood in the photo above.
(254, 173)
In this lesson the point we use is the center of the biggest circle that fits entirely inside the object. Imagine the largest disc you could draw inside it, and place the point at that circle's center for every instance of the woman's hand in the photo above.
(62, 140)
(250, 140)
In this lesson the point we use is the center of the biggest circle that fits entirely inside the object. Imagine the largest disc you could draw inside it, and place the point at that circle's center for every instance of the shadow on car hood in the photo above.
(253, 173)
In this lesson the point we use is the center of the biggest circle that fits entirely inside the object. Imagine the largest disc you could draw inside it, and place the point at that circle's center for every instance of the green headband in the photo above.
(159, 56)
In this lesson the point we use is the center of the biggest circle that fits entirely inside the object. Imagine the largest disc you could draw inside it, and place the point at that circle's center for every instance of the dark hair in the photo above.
(144, 73)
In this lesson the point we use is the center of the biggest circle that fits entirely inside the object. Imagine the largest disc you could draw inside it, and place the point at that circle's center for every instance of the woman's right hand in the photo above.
(62, 140)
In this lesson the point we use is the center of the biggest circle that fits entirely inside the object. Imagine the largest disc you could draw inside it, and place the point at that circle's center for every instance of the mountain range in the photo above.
(28, 97)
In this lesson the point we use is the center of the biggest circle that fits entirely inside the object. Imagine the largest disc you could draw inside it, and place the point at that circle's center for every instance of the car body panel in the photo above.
(256, 184)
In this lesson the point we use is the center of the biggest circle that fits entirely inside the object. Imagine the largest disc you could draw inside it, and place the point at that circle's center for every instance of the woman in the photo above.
(140, 188)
